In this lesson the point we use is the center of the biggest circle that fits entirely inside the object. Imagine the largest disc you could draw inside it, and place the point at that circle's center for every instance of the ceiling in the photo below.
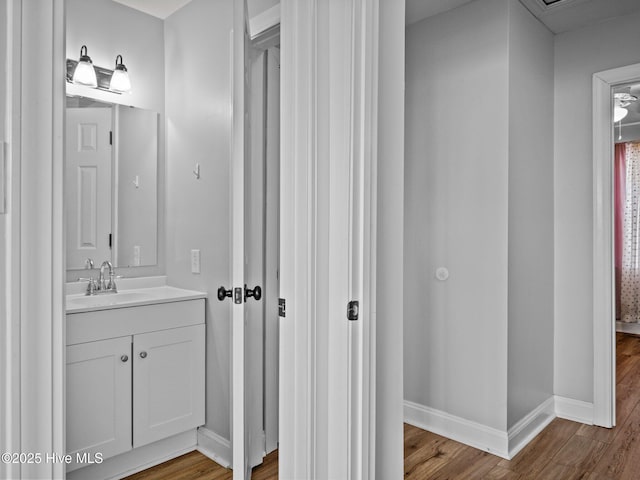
(558, 15)
(420, 9)
(158, 8)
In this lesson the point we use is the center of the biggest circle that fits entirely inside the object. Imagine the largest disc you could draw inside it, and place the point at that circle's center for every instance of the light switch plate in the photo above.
(195, 261)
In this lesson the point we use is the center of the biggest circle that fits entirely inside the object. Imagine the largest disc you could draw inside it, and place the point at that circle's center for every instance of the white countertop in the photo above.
(128, 297)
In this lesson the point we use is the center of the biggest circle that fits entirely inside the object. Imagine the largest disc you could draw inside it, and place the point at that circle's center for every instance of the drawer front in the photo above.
(119, 322)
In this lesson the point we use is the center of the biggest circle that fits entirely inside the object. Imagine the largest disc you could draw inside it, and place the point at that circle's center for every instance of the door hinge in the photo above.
(282, 307)
(353, 309)
(110, 138)
(111, 240)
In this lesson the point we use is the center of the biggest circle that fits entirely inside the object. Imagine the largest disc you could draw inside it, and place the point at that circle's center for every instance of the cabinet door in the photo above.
(99, 397)
(168, 392)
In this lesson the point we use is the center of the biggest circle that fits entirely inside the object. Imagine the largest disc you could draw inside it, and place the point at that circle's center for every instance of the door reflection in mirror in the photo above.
(111, 184)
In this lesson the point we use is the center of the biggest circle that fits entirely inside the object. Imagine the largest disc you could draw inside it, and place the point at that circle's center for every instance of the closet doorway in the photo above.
(626, 239)
(607, 305)
(626, 207)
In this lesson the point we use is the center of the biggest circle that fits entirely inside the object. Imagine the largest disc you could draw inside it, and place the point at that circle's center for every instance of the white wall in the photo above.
(3, 67)
(530, 361)
(199, 131)
(389, 360)
(256, 7)
(479, 201)
(630, 133)
(456, 207)
(578, 55)
(4, 248)
(137, 142)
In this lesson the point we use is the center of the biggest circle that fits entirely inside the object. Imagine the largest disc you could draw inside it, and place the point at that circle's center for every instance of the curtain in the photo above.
(630, 259)
(619, 192)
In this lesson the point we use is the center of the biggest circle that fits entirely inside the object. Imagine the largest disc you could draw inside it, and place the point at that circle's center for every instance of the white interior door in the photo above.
(241, 465)
(254, 261)
(272, 240)
(261, 254)
(88, 196)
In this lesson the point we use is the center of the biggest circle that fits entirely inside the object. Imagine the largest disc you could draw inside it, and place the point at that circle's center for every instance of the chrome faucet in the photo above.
(103, 285)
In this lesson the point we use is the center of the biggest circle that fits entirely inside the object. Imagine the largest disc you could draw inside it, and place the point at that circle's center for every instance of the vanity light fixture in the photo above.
(84, 73)
(120, 81)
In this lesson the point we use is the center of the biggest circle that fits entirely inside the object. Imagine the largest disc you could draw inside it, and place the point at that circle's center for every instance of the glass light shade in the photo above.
(85, 74)
(120, 81)
(619, 113)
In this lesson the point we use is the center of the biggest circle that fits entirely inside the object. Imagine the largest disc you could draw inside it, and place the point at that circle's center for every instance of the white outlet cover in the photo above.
(195, 261)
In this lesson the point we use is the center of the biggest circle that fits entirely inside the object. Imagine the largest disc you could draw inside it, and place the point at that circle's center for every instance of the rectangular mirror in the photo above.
(111, 184)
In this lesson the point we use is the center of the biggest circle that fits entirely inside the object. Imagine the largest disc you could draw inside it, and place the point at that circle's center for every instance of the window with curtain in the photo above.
(627, 231)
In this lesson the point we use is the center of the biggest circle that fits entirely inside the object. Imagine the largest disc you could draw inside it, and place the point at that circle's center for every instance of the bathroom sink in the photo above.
(107, 299)
(129, 298)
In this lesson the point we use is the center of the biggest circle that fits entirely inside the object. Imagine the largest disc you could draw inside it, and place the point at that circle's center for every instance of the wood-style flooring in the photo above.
(195, 465)
(563, 451)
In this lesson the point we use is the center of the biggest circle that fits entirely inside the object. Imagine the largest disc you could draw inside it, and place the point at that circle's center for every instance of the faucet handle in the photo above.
(91, 286)
(112, 282)
(88, 264)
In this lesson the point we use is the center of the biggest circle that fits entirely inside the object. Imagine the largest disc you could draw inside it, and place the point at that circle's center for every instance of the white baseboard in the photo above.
(492, 440)
(459, 429)
(138, 459)
(575, 410)
(530, 426)
(215, 447)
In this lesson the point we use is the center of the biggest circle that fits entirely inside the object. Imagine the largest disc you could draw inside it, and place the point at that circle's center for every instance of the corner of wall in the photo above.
(389, 238)
(217, 448)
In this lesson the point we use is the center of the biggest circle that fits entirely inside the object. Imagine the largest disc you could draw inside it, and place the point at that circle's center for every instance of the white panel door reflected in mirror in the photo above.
(111, 184)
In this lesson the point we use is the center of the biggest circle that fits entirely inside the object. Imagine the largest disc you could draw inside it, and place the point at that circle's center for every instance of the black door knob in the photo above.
(224, 293)
(255, 293)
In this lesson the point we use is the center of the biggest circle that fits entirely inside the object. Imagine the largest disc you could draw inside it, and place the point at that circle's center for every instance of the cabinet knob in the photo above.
(143, 354)
(124, 358)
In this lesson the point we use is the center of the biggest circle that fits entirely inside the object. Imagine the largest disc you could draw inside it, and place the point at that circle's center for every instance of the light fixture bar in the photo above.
(103, 76)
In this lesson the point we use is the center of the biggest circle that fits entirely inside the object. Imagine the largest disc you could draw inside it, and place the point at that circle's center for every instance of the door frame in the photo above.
(604, 368)
(303, 113)
(32, 381)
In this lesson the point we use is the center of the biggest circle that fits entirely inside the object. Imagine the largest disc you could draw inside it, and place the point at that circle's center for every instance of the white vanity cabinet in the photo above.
(99, 397)
(168, 387)
(145, 384)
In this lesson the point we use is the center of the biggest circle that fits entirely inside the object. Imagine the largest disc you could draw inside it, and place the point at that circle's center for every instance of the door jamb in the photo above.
(32, 380)
(603, 275)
